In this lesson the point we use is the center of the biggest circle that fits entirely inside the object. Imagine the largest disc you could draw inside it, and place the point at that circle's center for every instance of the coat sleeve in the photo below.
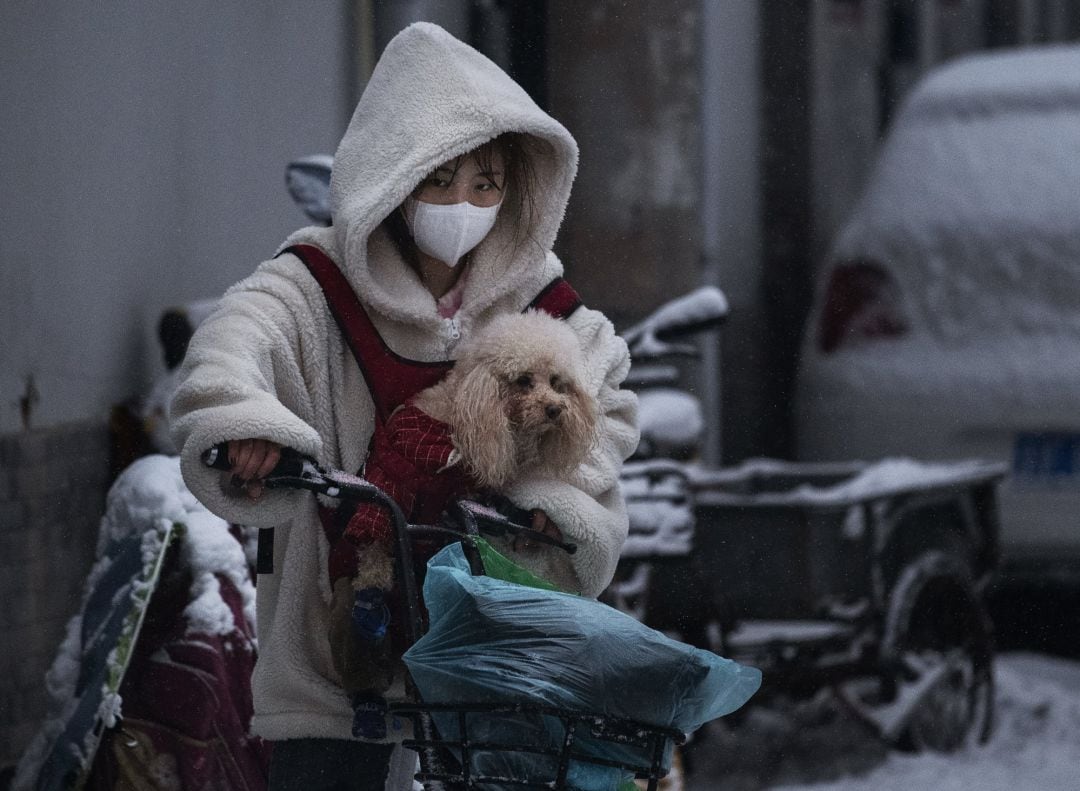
(588, 506)
(242, 378)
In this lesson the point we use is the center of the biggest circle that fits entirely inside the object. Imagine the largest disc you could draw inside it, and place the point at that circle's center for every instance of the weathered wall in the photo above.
(623, 78)
(52, 495)
(731, 221)
(143, 150)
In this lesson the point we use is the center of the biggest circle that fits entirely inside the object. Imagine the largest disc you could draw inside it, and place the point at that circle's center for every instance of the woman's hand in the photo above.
(542, 524)
(251, 460)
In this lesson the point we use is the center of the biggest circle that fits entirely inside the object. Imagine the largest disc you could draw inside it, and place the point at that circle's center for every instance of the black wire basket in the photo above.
(450, 753)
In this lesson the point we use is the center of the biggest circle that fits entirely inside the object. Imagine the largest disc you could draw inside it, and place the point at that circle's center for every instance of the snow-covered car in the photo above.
(946, 322)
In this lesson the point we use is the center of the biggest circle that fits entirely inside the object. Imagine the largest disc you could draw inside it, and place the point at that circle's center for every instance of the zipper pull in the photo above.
(453, 332)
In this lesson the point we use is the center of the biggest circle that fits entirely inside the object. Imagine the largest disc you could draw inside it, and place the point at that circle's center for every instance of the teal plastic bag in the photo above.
(492, 641)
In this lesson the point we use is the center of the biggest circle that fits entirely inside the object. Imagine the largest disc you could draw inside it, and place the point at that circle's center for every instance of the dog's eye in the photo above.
(558, 385)
(525, 380)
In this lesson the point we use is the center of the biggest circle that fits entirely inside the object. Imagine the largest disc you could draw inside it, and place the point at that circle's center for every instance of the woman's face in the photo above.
(464, 180)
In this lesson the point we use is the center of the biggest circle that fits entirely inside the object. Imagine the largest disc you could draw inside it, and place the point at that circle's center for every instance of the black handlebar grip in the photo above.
(217, 457)
(291, 462)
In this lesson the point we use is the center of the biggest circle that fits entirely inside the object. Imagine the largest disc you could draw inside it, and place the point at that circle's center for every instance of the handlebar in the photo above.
(291, 463)
(297, 471)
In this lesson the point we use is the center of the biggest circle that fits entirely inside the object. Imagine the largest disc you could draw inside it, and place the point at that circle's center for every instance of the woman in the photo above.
(438, 126)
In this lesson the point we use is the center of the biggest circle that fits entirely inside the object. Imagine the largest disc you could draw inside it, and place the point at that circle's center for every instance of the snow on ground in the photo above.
(1036, 744)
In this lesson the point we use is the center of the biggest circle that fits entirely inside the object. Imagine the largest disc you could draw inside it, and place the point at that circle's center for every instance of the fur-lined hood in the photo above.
(432, 98)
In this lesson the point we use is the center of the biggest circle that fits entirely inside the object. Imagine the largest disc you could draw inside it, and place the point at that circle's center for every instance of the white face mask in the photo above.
(447, 231)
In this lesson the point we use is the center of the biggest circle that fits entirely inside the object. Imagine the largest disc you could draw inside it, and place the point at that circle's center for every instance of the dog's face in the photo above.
(540, 399)
(519, 400)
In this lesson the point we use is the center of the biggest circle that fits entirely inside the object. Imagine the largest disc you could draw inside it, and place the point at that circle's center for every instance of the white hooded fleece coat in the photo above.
(271, 363)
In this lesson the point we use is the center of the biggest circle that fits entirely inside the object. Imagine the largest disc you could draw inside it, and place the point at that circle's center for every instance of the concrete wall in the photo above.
(52, 494)
(663, 100)
(143, 149)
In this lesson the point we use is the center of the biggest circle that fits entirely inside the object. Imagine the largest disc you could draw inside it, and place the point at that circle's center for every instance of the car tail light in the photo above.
(862, 301)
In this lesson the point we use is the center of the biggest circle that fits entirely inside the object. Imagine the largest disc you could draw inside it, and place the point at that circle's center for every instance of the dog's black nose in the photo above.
(552, 411)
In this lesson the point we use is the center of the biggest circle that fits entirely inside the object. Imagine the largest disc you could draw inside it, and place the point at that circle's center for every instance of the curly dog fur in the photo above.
(516, 400)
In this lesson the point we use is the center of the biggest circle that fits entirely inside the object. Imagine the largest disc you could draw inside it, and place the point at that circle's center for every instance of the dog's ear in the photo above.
(482, 427)
(565, 448)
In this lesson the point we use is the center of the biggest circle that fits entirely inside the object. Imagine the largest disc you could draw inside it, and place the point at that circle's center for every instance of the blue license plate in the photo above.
(1047, 457)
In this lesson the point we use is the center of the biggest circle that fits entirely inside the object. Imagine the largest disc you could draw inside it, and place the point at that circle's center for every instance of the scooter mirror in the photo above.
(308, 182)
(703, 309)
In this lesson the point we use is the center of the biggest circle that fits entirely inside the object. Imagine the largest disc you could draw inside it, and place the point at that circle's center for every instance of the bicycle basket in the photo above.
(538, 663)
(495, 746)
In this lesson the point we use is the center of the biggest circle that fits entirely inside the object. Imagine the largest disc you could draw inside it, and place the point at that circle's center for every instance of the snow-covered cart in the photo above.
(864, 578)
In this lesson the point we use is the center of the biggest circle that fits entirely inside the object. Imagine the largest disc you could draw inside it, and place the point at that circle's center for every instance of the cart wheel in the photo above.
(937, 635)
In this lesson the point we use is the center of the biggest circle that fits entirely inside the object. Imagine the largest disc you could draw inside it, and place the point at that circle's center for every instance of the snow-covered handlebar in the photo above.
(702, 309)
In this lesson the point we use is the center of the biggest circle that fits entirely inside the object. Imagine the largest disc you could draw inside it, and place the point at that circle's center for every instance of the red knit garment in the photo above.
(405, 466)
(406, 460)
